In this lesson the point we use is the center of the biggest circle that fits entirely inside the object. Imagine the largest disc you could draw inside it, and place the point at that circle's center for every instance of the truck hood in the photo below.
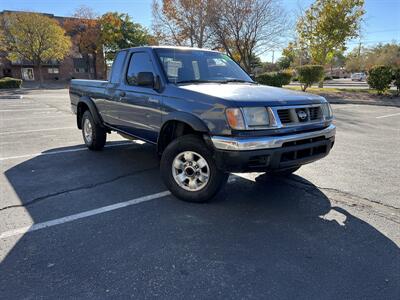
(252, 94)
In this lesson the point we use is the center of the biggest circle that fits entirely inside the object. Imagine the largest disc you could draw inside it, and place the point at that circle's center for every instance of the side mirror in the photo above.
(145, 79)
(252, 76)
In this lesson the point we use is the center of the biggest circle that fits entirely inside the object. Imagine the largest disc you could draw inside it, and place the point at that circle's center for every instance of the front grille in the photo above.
(303, 153)
(301, 114)
(315, 113)
(284, 116)
(258, 161)
(303, 142)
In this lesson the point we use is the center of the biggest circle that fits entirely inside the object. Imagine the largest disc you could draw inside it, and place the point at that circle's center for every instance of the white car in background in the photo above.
(358, 77)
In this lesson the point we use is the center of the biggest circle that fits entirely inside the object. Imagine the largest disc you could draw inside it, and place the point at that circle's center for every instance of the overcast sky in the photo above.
(382, 20)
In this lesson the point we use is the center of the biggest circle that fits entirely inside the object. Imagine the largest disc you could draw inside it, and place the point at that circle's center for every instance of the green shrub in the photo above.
(10, 83)
(379, 78)
(309, 74)
(396, 78)
(277, 79)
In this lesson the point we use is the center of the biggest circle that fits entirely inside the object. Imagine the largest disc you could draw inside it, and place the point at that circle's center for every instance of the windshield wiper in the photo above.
(213, 81)
(196, 81)
(236, 80)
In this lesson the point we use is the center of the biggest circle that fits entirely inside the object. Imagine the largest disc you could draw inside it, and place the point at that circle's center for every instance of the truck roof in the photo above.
(170, 47)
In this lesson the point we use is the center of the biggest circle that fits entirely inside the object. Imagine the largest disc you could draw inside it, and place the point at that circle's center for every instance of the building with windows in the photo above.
(74, 65)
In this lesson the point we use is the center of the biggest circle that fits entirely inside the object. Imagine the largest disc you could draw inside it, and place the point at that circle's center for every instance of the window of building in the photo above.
(139, 62)
(53, 70)
(80, 70)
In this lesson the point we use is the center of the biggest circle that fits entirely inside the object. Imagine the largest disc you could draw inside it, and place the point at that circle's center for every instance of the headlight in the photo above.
(247, 118)
(327, 110)
(256, 116)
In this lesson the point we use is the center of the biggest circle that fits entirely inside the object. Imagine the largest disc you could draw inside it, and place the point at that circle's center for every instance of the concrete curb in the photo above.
(351, 101)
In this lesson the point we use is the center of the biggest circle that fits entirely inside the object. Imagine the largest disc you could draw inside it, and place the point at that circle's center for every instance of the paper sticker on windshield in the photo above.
(172, 68)
(217, 61)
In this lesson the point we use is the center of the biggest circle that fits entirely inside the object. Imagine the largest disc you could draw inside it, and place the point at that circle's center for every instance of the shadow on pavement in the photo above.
(262, 239)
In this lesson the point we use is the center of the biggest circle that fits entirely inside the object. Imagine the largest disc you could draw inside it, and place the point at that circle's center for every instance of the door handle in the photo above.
(122, 94)
(152, 100)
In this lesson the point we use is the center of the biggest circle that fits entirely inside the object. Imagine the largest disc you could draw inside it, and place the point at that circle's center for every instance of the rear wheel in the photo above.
(189, 171)
(93, 134)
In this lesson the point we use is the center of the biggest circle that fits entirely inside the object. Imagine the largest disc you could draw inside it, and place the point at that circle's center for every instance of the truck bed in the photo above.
(85, 87)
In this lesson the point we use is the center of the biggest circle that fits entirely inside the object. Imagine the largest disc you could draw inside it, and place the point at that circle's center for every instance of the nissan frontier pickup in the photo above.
(205, 115)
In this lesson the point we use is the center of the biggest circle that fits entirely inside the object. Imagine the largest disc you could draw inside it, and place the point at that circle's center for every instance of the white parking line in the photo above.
(64, 151)
(386, 116)
(29, 109)
(35, 130)
(82, 215)
(59, 115)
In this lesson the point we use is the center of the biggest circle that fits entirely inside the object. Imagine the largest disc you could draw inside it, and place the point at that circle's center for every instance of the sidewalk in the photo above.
(353, 96)
(361, 98)
(28, 87)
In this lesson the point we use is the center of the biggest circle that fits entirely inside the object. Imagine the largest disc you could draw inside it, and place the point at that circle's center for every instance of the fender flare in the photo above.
(93, 110)
(191, 120)
(196, 123)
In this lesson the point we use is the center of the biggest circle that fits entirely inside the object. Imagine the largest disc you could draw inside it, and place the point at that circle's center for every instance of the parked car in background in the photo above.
(358, 77)
(205, 115)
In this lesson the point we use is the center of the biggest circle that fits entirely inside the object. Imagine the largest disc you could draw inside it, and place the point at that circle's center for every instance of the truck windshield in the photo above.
(197, 66)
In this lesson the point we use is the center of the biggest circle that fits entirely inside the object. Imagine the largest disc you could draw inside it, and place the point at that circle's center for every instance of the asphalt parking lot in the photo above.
(82, 224)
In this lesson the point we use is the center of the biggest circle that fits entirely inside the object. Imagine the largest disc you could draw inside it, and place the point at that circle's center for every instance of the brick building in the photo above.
(74, 65)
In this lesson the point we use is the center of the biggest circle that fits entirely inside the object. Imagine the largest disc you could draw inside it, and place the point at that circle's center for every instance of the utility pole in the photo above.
(359, 56)
(273, 54)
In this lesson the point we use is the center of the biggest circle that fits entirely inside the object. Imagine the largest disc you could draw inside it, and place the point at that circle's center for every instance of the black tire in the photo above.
(216, 180)
(99, 134)
(285, 172)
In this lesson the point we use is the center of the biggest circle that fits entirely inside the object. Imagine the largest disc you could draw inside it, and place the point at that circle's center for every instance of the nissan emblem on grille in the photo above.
(302, 115)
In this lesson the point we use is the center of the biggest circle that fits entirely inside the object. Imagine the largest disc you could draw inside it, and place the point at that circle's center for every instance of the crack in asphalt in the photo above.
(84, 187)
(343, 193)
(304, 186)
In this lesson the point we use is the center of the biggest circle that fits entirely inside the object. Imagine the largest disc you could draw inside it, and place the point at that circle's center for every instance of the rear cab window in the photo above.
(117, 66)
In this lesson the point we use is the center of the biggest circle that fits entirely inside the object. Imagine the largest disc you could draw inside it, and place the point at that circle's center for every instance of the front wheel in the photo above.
(189, 171)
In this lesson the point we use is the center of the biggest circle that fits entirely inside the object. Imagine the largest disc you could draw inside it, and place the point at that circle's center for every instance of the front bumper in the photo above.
(272, 152)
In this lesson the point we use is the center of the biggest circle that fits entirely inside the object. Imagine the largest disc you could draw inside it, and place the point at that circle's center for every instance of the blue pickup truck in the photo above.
(205, 115)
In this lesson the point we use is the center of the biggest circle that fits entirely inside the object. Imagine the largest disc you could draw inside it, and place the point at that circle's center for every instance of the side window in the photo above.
(116, 70)
(139, 62)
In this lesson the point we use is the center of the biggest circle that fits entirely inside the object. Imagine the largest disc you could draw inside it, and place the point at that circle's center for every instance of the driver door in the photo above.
(139, 109)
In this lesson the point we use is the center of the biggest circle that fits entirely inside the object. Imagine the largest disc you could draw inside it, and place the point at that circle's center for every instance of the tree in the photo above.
(327, 25)
(248, 27)
(362, 59)
(284, 62)
(387, 55)
(289, 53)
(295, 55)
(356, 60)
(396, 77)
(119, 32)
(255, 63)
(379, 78)
(84, 30)
(2, 38)
(309, 74)
(35, 38)
(183, 22)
